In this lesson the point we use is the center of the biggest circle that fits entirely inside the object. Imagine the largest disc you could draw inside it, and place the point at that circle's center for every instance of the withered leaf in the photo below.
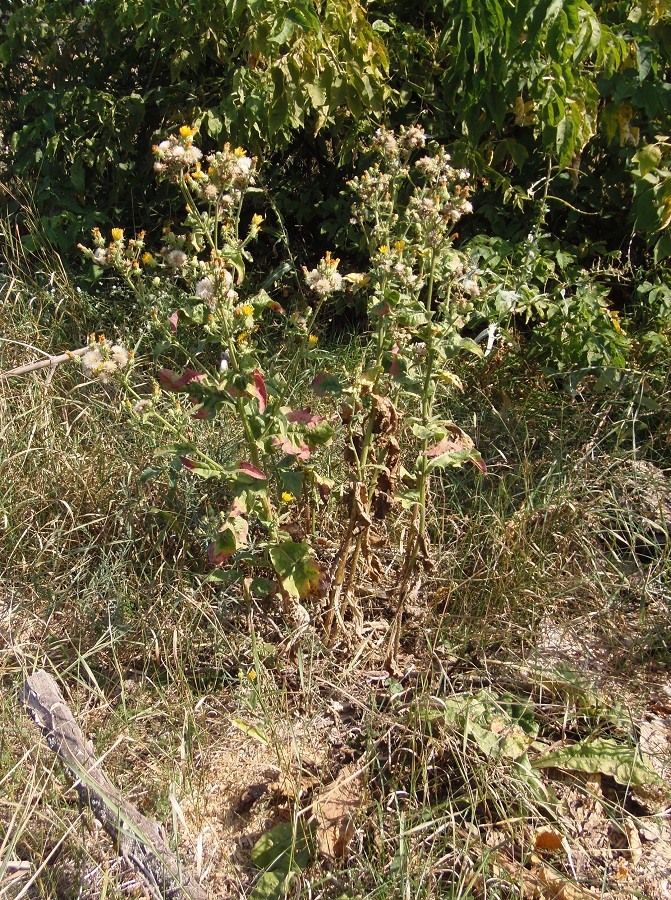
(334, 810)
(387, 416)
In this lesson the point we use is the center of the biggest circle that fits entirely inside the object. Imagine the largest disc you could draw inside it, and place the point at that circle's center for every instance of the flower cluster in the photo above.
(120, 254)
(228, 175)
(177, 154)
(102, 360)
(391, 262)
(325, 279)
(434, 209)
(397, 149)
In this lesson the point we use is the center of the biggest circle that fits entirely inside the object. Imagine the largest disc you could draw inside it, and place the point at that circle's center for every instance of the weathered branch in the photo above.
(50, 362)
(138, 838)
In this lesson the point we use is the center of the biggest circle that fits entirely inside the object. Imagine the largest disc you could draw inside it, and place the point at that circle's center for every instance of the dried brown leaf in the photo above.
(334, 810)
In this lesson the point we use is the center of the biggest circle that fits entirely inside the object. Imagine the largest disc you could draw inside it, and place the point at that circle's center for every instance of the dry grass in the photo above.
(544, 609)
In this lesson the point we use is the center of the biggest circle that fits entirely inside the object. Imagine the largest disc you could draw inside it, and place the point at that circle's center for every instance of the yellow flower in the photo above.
(186, 131)
(257, 219)
(252, 675)
(313, 339)
(242, 337)
(247, 309)
(399, 246)
(287, 497)
(383, 249)
(117, 234)
(615, 319)
(147, 258)
(239, 151)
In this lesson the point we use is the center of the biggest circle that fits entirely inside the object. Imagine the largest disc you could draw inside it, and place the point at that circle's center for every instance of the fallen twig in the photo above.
(138, 838)
(50, 362)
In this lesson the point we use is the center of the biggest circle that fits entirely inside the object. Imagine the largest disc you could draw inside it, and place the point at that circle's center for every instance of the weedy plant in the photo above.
(420, 294)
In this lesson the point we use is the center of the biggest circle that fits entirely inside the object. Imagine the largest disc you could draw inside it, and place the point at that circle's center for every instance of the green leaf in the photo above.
(662, 248)
(566, 139)
(303, 16)
(260, 586)
(277, 117)
(283, 33)
(282, 849)
(201, 468)
(648, 158)
(603, 755)
(556, 39)
(270, 886)
(223, 578)
(251, 731)
(292, 480)
(296, 567)
(316, 93)
(456, 459)
(325, 383)
(149, 473)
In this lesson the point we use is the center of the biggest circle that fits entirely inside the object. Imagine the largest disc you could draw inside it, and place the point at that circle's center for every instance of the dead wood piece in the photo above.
(138, 838)
(49, 362)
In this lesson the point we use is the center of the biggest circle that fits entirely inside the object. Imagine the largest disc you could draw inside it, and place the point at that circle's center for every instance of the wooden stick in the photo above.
(138, 838)
(51, 361)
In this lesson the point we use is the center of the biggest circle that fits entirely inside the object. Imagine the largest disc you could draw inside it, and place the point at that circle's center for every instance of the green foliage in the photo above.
(604, 755)
(78, 122)
(581, 87)
(542, 293)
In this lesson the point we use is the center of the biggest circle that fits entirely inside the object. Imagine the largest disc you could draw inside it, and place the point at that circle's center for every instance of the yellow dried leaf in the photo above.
(544, 839)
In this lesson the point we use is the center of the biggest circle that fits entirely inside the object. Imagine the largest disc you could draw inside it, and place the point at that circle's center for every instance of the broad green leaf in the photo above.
(662, 248)
(296, 567)
(270, 886)
(283, 848)
(292, 480)
(260, 586)
(648, 158)
(325, 383)
(304, 17)
(566, 139)
(316, 93)
(603, 755)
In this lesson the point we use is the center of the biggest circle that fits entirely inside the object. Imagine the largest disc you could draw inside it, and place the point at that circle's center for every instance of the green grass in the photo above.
(542, 609)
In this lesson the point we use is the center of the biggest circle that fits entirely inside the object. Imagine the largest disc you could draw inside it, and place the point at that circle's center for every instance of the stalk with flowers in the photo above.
(419, 298)
(208, 257)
